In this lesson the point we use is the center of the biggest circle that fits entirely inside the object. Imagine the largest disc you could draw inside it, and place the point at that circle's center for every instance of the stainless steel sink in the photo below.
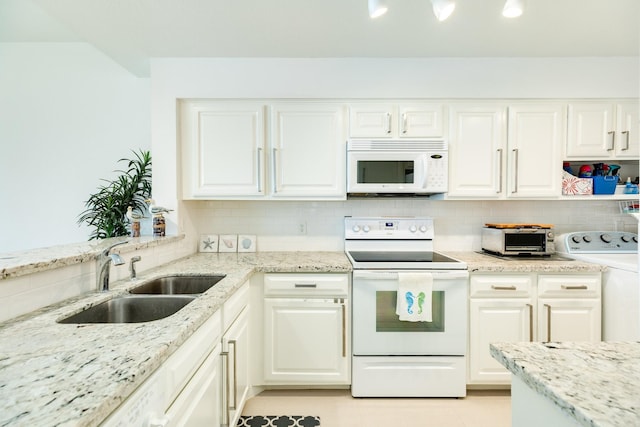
(170, 285)
(131, 309)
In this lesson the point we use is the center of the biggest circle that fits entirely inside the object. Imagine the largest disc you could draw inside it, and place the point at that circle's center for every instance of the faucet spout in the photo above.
(104, 263)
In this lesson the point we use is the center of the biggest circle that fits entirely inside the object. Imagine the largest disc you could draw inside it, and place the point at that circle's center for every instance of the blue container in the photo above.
(604, 184)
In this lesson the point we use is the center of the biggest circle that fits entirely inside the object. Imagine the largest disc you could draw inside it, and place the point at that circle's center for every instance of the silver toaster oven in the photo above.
(518, 239)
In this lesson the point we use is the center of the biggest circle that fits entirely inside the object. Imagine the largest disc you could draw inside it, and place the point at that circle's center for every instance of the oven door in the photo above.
(386, 172)
(377, 329)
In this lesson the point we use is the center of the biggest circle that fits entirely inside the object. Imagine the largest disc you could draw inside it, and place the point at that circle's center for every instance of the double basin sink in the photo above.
(153, 300)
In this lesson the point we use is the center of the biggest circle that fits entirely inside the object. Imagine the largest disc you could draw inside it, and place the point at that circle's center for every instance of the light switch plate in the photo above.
(228, 243)
(208, 243)
(246, 243)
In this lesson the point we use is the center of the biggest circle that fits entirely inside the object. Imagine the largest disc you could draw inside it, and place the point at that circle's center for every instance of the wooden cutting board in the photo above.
(507, 225)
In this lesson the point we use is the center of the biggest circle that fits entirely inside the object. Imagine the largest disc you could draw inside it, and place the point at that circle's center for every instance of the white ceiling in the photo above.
(132, 31)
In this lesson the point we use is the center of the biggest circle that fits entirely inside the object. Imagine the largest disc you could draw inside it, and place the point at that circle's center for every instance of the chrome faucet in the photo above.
(132, 267)
(104, 263)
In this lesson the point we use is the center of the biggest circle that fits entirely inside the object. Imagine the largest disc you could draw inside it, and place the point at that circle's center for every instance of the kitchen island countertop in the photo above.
(76, 375)
(596, 384)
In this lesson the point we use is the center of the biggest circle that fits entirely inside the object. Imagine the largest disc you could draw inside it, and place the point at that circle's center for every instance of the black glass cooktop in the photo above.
(400, 257)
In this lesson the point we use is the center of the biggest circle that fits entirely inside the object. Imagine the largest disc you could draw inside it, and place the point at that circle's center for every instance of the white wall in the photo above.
(67, 114)
(275, 222)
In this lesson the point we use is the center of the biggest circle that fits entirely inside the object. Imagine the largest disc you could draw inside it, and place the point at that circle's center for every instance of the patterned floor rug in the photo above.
(278, 421)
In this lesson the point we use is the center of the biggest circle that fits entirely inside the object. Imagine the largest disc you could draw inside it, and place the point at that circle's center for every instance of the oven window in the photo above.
(385, 172)
(529, 242)
(387, 320)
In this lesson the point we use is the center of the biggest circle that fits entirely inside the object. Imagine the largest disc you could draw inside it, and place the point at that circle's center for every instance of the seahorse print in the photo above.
(420, 302)
(409, 297)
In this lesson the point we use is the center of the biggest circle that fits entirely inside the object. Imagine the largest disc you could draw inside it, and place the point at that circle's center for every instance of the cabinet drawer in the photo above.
(276, 285)
(234, 305)
(503, 285)
(187, 359)
(570, 286)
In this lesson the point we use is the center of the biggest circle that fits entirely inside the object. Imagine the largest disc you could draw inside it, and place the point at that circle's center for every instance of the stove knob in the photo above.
(423, 228)
(626, 238)
(366, 229)
(587, 239)
(576, 239)
(413, 229)
(605, 238)
(356, 228)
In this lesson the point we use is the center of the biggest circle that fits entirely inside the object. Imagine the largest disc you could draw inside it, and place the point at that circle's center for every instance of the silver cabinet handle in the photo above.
(306, 285)
(515, 170)
(227, 411)
(548, 308)
(613, 140)
(235, 372)
(530, 322)
(503, 288)
(259, 168)
(344, 328)
(274, 155)
(626, 144)
(404, 122)
(499, 150)
(388, 122)
(574, 287)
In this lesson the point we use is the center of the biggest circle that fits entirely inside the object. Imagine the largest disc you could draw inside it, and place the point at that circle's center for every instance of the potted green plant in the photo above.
(107, 208)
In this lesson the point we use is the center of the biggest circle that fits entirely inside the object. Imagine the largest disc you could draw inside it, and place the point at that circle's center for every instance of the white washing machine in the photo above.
(620, 283)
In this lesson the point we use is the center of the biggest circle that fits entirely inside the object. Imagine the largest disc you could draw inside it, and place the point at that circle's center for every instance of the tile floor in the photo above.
(337, 408)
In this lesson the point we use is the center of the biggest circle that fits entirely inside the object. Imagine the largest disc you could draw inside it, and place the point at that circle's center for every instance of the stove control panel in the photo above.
(598, 242)
(388, 228)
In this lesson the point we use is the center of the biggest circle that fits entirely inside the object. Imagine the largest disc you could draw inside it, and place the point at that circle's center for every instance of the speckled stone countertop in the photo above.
(55, 374)
(598, 384)
(486, 263)
(15, 264)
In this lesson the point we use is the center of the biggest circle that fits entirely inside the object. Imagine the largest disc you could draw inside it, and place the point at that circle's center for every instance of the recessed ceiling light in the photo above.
(377, 8)
(442, 9)
(513, 8)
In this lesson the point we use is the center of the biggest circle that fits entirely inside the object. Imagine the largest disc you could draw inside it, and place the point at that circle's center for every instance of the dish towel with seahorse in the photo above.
(414, 297)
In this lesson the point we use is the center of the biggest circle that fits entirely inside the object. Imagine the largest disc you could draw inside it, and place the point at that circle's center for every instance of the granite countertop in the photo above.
(598, 384)
(485, 263)
(20, 263)
(75, 375)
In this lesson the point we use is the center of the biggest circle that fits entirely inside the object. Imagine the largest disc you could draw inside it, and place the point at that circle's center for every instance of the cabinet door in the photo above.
(494, 320)
(476, 151)
(235, 351)
(536, 133)
(199, 403)
(308, 151)
(569, 319)
(591, 130)
(627, 144)
(222, 148)
(306, 341)
(372, 121)
(421, 120)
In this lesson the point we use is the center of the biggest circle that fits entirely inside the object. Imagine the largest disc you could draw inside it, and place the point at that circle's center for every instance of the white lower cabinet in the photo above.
(528, 307)
(306, 330)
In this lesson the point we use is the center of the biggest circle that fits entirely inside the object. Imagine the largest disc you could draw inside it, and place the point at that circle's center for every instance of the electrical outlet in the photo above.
(302, 227)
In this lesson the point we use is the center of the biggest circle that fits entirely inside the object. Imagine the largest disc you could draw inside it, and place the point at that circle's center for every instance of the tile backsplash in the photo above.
(289, 225)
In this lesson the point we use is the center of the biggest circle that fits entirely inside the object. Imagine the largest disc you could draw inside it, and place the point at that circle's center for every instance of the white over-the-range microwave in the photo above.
(396, 167)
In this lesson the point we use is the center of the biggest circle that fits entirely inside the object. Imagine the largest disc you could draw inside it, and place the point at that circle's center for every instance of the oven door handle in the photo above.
(393, 275)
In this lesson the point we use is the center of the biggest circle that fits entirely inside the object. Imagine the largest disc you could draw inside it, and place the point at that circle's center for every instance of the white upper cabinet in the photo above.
(226, 153)
(603, 130)
(406, 120)
(222, 149)
(500, 151)
(308, 147)
(478, 136)
(535, 136)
